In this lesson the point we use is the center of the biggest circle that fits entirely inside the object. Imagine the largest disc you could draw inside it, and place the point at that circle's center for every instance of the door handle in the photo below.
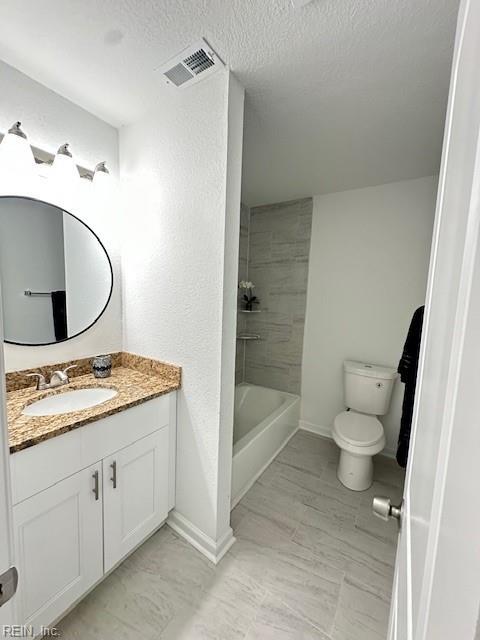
(384, 509)
(8, 585)
(95, 489)
(114, 474)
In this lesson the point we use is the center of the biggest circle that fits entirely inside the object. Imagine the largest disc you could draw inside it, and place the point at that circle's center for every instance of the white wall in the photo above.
(368, 268)
(181, 210)
(236, 95)
(50, 120)
(174, 171)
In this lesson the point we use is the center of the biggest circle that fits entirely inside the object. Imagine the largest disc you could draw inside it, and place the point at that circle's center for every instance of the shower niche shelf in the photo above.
(248, 336)
(250, 311)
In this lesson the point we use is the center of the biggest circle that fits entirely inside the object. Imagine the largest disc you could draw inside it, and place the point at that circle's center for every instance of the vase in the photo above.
(102, 366)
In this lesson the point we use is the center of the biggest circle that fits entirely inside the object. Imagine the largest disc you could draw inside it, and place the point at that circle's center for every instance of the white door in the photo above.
(135, 481)
(58, 546)
(437, 583)
(6, 527)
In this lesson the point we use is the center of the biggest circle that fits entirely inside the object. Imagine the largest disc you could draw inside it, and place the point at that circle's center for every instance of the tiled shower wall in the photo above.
(278, 250)
(242, 275)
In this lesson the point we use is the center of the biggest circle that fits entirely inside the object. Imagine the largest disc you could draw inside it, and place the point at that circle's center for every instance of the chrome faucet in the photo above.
(57, 378)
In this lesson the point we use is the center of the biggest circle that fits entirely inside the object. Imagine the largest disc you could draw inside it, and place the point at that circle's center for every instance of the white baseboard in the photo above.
(389, 453)
(236, 499)
(326, 432)
(211, 549)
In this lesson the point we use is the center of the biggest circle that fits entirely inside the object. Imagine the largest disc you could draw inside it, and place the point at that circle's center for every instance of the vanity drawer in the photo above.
(100, 439)
(42, 465)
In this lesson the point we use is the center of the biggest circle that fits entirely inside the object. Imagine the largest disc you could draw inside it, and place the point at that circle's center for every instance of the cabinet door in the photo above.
(58, 546)
(135, 481)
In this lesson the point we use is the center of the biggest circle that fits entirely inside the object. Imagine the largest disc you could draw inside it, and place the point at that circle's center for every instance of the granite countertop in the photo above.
(143, 380)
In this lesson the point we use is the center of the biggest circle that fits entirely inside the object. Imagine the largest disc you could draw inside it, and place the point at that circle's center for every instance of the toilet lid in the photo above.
(358, 429)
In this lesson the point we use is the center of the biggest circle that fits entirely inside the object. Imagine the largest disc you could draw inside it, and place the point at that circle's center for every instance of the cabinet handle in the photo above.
(114, 472)
(95, 489)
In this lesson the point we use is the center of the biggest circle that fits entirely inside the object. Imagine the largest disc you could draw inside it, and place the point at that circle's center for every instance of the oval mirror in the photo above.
(56, 275)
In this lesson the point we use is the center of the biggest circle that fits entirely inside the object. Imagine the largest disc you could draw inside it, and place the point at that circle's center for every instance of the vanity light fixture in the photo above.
(16, 152)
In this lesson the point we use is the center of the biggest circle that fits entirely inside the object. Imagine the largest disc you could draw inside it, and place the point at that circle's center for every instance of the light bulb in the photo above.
(101, 172)
(16, 155)
(64, 167)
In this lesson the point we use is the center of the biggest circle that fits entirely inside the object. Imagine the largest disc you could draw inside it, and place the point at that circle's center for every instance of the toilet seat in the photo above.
(358, 429)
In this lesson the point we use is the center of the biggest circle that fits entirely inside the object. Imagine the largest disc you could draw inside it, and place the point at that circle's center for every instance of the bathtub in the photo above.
(264, 421)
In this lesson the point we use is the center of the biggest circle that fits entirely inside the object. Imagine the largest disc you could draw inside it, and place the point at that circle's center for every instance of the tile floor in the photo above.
(311, 562)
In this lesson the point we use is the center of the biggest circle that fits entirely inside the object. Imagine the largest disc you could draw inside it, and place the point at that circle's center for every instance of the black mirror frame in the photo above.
(45, 344)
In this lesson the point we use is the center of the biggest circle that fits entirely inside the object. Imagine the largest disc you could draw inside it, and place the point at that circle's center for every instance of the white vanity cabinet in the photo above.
(135, 494)
(84, 500)
(58, 546)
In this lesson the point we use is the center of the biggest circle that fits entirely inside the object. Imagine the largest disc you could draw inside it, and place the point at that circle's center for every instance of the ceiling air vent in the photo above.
(191, 65)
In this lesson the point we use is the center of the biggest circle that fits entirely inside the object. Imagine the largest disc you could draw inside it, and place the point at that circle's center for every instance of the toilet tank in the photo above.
(368, 387)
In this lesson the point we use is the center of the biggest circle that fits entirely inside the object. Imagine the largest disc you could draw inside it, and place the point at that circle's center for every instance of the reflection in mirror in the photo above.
(55, 273)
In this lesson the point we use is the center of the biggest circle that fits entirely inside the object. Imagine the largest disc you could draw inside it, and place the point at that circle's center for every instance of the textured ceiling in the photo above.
(340, 93)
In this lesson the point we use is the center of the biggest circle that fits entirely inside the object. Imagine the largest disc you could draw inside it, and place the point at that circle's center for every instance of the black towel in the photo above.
(407, 368)
(59, 307)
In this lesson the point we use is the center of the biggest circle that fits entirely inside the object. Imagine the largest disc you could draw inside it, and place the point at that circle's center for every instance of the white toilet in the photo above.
(357, 431)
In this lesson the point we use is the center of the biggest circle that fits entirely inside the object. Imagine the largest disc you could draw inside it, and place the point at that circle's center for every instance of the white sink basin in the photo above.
(69, 401)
